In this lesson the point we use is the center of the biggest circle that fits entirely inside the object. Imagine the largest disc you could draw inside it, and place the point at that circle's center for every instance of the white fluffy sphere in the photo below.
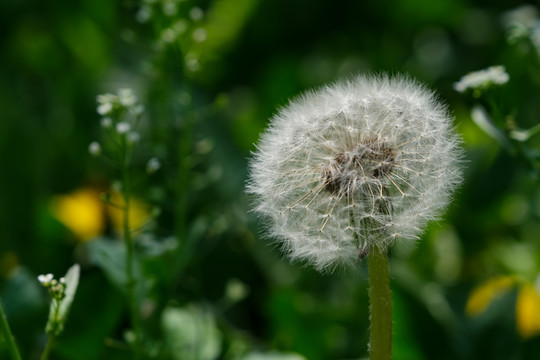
(356, 164)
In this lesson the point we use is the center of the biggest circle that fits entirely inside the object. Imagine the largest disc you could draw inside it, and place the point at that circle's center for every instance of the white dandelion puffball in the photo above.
(360, 163)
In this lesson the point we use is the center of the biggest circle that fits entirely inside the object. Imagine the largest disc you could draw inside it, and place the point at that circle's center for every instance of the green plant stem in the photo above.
(128, 239)
(380, 296)
(4, 326)
(52, 329)
(48, 347)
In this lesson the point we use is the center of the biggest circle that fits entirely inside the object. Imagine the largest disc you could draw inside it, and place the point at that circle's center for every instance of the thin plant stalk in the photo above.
(380, 296)
(128, 239)
(4, 326)
(48, 347)
(51, 333)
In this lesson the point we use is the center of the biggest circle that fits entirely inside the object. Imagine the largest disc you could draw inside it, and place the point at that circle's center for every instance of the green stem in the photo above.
(4, 326)
(380, 338)
(128, 239)
(48, 347)
(52, 330)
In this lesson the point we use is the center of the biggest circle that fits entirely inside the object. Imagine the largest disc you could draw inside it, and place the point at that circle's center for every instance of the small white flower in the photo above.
(144, 14)
(126, 97)
(362, 163)
(180, 27)
(199, 35)
(133, 137)
(45, 280)
(106, 122)
(168, 35)
(153, 165)
(106, 98)
(137, 110)
(482, 79)
(94, 148)
(169, 8)
(196, 13)
(123, 127)
(104, 109)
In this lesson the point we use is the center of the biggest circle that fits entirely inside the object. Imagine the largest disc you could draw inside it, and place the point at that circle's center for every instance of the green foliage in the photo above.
(206, 104)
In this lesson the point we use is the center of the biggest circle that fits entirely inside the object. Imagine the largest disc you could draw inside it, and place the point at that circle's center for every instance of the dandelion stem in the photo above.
(130, 276)
(380, 339)
(4, 326)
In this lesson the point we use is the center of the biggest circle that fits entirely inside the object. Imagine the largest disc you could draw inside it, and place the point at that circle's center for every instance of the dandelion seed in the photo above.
(94, 148)
(337, 171)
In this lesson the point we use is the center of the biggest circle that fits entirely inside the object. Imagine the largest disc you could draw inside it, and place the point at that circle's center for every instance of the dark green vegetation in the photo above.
(208, 95)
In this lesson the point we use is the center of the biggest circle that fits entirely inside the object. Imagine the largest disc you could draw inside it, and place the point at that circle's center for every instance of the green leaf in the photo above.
(191, 333)
(72, 282)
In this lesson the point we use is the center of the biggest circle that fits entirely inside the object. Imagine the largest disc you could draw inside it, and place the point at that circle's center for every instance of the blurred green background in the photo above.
(211, 74)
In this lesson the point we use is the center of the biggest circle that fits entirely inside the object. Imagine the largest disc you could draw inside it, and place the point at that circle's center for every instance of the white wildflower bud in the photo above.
(152, 165)
(106, 103)
(357, 164)
(137, 110)
(126, 97)
(144, 14)
(196, 13)
(133, 137)
(106, 122)
(199, 35)
(169, 8)
(482, 79)
(104, 109)
(45, 280)
(94, 148)
(123, 127)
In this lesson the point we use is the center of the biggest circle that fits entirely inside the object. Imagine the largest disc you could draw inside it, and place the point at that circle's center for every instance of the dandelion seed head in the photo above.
(356, 164)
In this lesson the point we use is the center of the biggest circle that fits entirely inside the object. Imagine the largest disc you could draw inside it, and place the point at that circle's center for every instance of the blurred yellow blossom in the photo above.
(528, 311)
(139, 212)
(482, 296)
(84, 213)
(527, 302)
(81, 212)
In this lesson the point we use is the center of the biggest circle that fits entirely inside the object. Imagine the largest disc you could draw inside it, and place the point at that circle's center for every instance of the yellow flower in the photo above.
(84, 213)
(81, 212)
(139, 213)
(482, 296)
(527, 303)
(528, 312)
